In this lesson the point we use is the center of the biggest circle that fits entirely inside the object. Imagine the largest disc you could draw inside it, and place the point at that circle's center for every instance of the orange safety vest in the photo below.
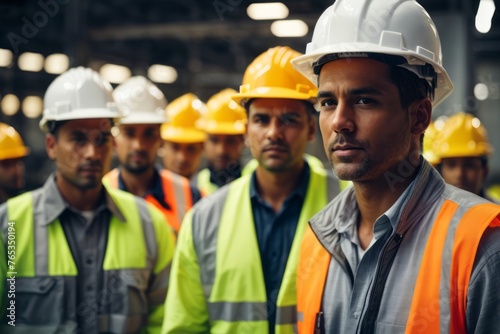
(314, 262)
(177, 193)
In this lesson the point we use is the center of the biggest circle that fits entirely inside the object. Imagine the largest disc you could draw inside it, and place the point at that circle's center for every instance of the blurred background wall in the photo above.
(204, 46)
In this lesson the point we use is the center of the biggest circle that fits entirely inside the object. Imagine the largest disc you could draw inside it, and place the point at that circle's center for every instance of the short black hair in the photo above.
(54, 126)
(410, 86)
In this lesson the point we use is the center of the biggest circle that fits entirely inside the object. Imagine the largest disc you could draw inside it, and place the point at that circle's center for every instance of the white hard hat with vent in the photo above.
(141, 101)
(400, 30)
(79, 93)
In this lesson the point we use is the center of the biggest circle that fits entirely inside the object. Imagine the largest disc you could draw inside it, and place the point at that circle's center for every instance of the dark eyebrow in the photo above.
(365, 90)
(354, 91)
(324, 94)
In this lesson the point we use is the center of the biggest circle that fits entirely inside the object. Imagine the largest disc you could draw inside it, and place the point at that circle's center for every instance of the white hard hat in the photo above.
(79, 93)
(398, 32)
(141, 101)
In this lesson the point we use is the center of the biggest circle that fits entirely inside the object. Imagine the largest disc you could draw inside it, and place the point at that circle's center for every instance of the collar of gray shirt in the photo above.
(388, 219)
(55, 204)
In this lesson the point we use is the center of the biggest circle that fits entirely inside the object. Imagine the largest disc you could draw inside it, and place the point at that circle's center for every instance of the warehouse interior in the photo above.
(203, 47)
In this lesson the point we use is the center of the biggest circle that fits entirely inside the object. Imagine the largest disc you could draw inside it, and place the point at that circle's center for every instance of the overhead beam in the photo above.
(190, 31)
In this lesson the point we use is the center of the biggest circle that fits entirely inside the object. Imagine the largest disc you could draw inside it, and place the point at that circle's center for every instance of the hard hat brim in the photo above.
(143, 118)
(79, 114)
(18, 152)
(304, 64)
(220, 128)
(182, 135)
(272, 92)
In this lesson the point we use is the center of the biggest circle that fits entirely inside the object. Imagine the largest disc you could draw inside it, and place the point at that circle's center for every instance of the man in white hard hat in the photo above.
(77, 257)
(401, 251)
(137, 143)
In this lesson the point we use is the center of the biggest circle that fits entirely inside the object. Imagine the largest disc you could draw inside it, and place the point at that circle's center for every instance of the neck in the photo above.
(80, 199)
(274, 187)
(374, 198)
(138, 184)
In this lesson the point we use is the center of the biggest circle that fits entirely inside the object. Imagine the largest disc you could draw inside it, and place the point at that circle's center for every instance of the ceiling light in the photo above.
(10, 104)
(481, 91)
(289, 28)
(32, 62)
(162, 73)
(5, 57)
(484, 15)
(267, 11)
(115, 73)
(56, 63)
(32, 106)
(476, 123)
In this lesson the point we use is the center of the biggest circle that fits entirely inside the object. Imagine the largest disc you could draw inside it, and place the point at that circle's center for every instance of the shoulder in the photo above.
(487, 261)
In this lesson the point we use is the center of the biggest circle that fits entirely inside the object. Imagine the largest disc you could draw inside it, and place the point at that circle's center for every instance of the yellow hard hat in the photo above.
(182, 114)
(463, 135)
(271, 75)
(223, 116)
(428, 150)
(11, 144)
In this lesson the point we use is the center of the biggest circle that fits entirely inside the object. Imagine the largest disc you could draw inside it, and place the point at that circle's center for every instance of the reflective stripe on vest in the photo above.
(203, 182)
(449, 308)
(42, 252)
(239, 295)
(176, 190)
(456, 228)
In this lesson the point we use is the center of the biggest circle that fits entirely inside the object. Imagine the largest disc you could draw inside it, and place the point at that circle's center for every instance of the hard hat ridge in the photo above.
(141, 101)
(79, 93)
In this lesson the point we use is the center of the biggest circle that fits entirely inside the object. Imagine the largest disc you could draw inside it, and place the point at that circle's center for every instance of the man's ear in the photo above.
(50, 145)
(420, 115)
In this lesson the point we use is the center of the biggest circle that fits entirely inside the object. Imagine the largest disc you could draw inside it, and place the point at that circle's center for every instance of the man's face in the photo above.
(222, 151)
(278, 132)
(137, 146)
(12, 176)
(181, 158)
(365, 130)
(82, 151)
(467, 173)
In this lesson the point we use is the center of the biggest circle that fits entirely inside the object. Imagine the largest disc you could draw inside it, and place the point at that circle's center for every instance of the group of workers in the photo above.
(274, 246)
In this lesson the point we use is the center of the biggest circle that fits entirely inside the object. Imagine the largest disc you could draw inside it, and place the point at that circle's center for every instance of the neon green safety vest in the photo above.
(227, 252)
(46, 272)
(203, 182)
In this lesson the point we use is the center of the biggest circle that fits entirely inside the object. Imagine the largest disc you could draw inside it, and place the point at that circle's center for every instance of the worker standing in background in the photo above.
(428, 151)
(236, 259)
(89, 259)
(463, 149)
(12, 152)
(400, 251)
(137, 143)
(224, 123)
(183, 142)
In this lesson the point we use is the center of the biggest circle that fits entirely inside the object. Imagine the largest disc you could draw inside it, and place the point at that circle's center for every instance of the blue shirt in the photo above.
(275, 233)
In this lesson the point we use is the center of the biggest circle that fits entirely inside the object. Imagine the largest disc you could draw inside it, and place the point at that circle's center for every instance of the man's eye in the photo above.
(365, 100)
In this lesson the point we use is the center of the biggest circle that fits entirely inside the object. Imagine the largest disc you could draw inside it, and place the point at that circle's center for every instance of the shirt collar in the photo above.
(231, 173)
(55, 204)
(349, 217)
(300, 190)
(156, 191)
